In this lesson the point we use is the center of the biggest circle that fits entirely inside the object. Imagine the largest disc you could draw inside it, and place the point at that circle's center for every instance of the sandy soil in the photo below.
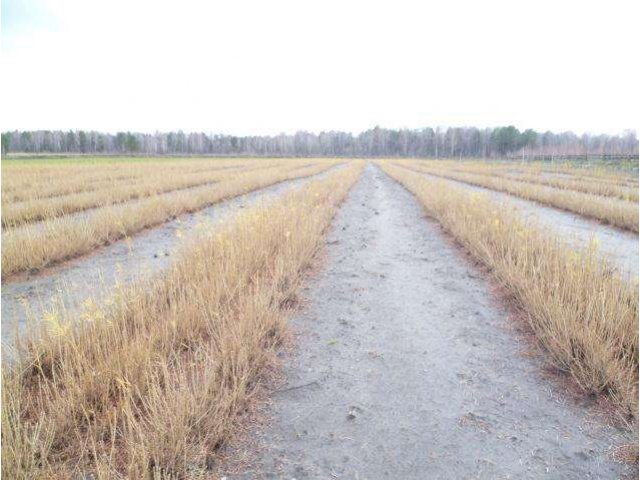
(406, 366)
(619, 246)
(131, 260)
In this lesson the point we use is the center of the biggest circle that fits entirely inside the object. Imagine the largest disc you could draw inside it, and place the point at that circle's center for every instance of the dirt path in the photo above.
(130, 260)
(619, 246)
(405, 367)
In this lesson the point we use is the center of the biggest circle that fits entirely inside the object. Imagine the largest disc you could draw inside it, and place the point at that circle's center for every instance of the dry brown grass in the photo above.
(619, 213)
(152, 387)
(39, 245)
(594, 186)
(155, 183)
(597, 173)
(24, 181)
(18, 213)
(568, 170)
(583, 313)
(591, 186)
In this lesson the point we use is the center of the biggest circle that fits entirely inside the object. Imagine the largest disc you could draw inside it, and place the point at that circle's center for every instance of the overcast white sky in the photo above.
(263, 67)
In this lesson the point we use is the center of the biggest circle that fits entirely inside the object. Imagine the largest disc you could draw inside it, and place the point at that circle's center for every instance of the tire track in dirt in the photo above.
(130, 260)
(406, 366)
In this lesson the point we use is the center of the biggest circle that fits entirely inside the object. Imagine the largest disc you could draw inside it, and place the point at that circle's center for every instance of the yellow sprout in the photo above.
(88, 303)
(573, 256)
(55, 325)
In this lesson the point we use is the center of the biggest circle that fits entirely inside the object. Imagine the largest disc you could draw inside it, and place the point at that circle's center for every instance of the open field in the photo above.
(620, 213)
(173, 298)
(627, 175)
(93, 277)
(407, 366)
(33, 247)
(194, 345)
(623, 173)
(37, 180)
(117, 189)
(579, 232)
(566, 181)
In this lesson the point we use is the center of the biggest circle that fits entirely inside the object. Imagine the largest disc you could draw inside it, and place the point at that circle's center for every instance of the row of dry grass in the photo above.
(34, 210)
(599, 173)
(152, 387)
(39, 245)
(585, 185)
(619, 213)
(570, 170)
(25, 181)
(533, 175)
(583, 313)
(19, 213)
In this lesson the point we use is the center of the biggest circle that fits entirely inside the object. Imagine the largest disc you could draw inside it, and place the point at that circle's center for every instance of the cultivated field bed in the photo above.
(613, 211)
(618, 187)
(618, 246)
(92, 280)
(403, 349)
(168, 299)
(32, 247)
(586, 317)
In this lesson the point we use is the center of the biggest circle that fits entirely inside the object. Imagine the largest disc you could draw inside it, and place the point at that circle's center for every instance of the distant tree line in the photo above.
(426, 142)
